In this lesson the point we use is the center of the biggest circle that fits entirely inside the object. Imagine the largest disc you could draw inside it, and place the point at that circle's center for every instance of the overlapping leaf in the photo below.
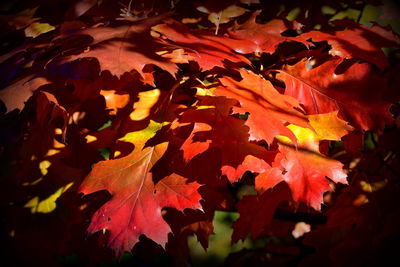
(244, 124)
(256, 212)
(304, 172)
(269, 110)
(360, 42)
(215, 128)
(263, 38)
(125, 47)
(302, 167)
(357, 93)
(15, 95)
(207, 50)
(136, 203)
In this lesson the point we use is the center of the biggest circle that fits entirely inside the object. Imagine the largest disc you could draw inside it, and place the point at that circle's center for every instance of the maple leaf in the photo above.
(15, 95)
(269, 110)
(215, 128)
(48, 118)
(263, 38)
(302, 167)
(326, 126)
(250, 163)
(131, 68)
(125, 47)
(256, 211)
(48, 108)
(136, 203)
(357, 93)
(329, 126)
(305, 174)
(178, 56)
(193, 221)
(362, 42)
(352, 226)
(207, 50)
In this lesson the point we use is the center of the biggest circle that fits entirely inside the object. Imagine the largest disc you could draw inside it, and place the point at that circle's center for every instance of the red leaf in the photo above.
(304, 172)
(250, 163)
(256, 211)
(136, 203)
(357, 93)
(48, 108)
(126, 47)
(15, 95)
(361, 42)
(214, 128)
(263, 38)
(303, 167)
(208, 125)
(269, 110)
(207, 50)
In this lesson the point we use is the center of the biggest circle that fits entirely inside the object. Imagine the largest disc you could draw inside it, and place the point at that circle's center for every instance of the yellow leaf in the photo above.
(43, 166)
(305, 137)
(37, 28)
(204, 91)
(146, 101)
(143, 135)
(329, 126)
(49, 204)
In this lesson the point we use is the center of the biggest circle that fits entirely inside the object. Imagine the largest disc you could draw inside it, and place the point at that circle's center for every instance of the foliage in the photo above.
(127, 126)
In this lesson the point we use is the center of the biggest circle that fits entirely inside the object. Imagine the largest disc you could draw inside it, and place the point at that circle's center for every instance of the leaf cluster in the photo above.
(126, 127)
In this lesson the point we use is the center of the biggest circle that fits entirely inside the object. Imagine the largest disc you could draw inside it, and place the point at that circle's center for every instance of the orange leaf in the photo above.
(269, 110)
(114, 101)
(329, 126)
